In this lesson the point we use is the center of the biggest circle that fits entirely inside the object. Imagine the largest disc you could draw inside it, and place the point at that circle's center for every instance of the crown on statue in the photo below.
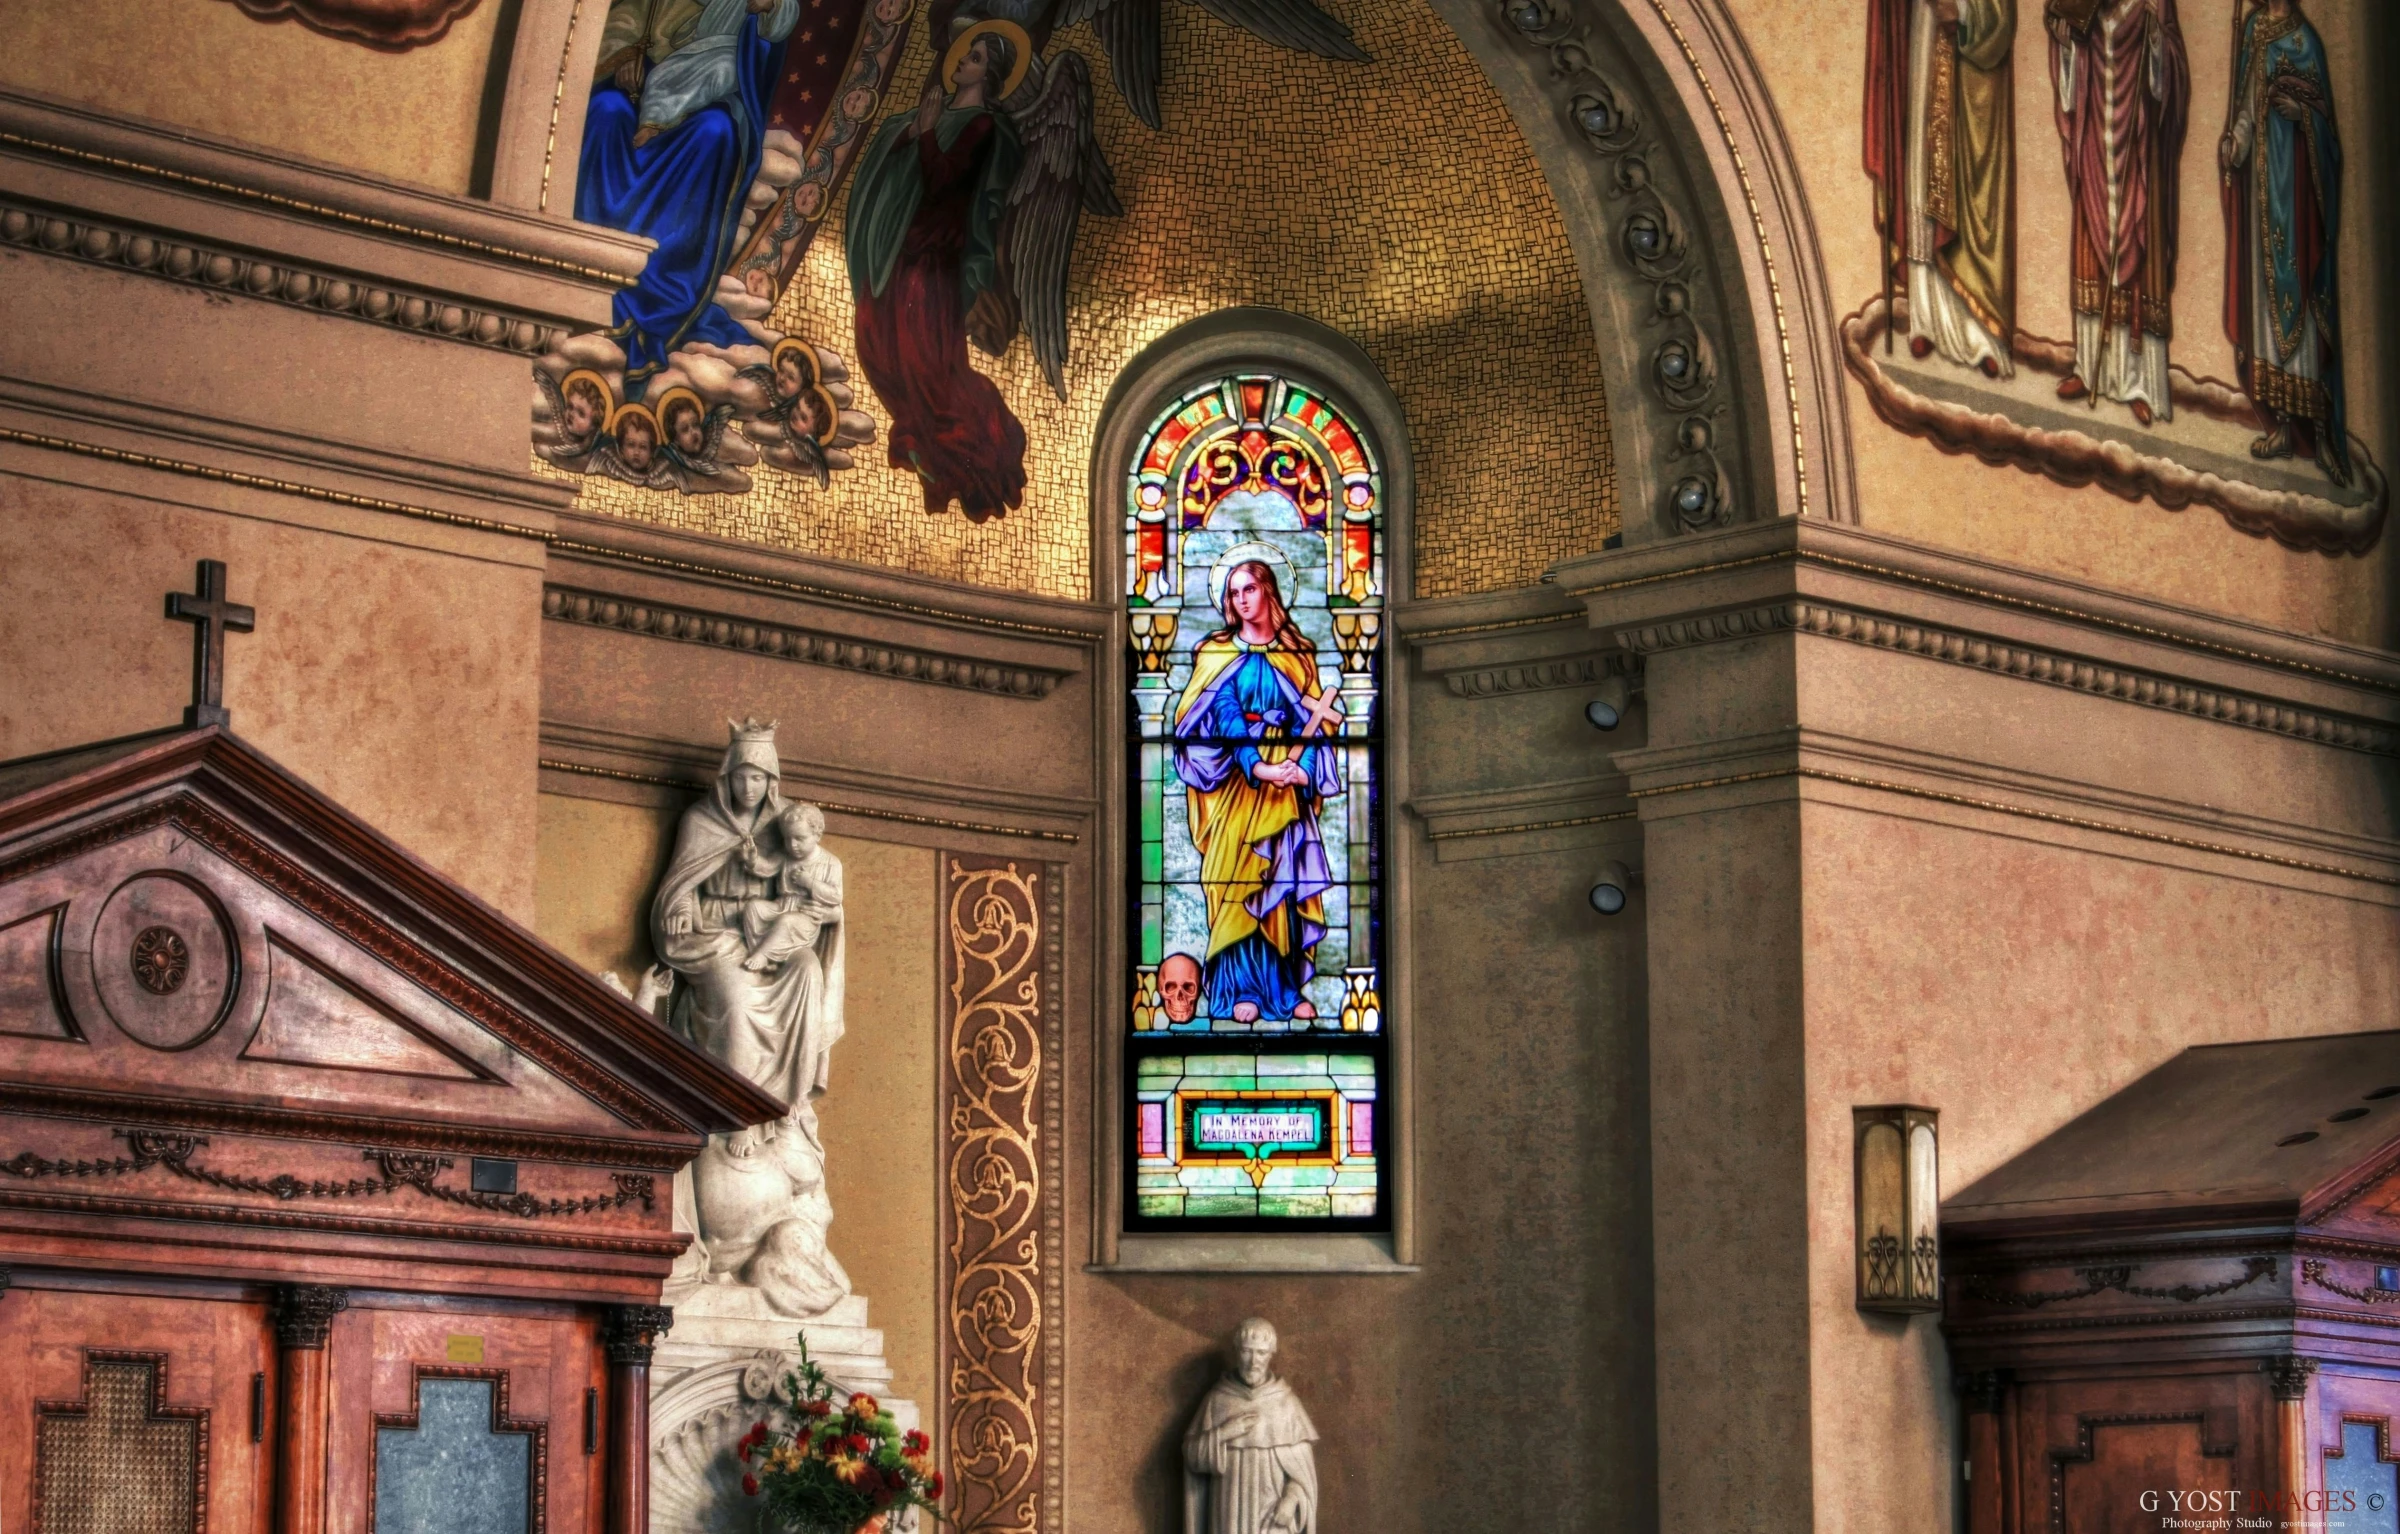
(746, 731)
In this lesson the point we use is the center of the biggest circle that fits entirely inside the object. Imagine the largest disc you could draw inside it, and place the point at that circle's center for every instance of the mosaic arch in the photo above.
(1255, 582)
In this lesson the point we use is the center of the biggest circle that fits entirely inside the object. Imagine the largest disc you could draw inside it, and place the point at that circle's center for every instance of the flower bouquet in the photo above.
(839, 1468)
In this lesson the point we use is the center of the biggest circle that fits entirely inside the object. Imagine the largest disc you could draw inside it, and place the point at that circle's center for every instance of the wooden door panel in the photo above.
(541, 1367)
(102, 1396)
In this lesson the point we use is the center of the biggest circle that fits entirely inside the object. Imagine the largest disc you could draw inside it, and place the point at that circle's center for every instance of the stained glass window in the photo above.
(1254, 577)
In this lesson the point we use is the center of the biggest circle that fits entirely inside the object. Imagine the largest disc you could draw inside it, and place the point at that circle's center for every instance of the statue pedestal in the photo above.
(714, 1375)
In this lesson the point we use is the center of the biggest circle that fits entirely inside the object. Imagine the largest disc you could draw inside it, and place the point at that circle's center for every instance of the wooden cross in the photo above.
(1324, 713)
(211, 617)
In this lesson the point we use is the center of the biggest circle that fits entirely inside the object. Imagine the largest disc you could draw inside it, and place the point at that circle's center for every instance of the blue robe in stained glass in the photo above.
(1262, 858)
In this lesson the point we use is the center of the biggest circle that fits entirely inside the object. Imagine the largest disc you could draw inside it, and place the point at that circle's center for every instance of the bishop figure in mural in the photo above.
(1941, 149)
(2124, 95)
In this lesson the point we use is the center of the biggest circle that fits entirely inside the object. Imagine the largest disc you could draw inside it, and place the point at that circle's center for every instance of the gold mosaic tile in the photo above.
(1394, 201)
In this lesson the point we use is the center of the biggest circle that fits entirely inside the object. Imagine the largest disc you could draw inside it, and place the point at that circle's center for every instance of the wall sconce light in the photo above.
(1897, 1154)
(1607, 710)
(1613, 888)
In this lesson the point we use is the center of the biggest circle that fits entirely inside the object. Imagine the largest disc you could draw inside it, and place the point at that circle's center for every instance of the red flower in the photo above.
(749, 1485)
(934, 1487)
(863, 1407)
(860, 1445)
(820, 1408)
(914, 1442)
(743, 1449)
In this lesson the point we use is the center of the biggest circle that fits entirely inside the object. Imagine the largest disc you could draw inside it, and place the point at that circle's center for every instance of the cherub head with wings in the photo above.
(963, 218)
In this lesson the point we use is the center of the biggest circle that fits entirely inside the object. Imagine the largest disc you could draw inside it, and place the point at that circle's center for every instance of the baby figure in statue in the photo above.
(808, 893)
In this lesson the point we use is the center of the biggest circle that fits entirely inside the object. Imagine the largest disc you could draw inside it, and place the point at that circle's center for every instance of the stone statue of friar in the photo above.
(1248, 1467)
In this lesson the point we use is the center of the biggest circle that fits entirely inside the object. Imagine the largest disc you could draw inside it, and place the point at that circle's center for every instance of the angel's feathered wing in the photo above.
(1129, 31)
(1063, 177)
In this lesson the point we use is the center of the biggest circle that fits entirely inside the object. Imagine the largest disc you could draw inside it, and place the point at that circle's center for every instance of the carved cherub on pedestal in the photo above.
(1248, 1467)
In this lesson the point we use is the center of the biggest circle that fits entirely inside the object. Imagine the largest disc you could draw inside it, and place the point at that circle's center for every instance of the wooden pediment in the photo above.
(2239, 1189)
(211, 973)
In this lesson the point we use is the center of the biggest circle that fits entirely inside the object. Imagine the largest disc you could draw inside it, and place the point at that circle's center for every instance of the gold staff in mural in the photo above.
(2124, 95)
(1941, 148)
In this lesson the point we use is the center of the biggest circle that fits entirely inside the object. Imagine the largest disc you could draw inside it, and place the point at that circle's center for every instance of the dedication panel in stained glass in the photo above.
(1254, 578)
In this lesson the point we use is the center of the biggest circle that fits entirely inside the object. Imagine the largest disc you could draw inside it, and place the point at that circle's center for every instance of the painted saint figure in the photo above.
(1248, 1462)
(2281, 159)
(1941, 149)
(1254, 791)
(2124, 96)
(671, 143)
(924, 252)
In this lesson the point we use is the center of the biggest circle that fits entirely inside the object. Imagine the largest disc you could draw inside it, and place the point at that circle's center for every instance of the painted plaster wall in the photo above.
(600, 861)
(437, 751)
(204, 64)
(1813, 58)
(2096, 967)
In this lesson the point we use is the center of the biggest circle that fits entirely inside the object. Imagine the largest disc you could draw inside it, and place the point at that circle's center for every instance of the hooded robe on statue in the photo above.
(1233, 1478)
(776, 1027)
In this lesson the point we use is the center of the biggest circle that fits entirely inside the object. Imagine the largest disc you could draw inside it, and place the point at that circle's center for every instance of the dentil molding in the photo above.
(1880, 592)
(294, 284)
(729, 631)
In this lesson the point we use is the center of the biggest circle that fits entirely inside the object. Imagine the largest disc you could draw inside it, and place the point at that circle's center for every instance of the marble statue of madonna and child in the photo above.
(748, 926)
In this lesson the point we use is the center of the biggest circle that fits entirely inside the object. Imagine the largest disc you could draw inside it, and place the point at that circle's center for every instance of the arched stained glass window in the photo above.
(1254, 578)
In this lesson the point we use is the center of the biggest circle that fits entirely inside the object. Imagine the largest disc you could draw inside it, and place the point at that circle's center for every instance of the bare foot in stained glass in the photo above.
(1245, 1011)
(1304, 1012)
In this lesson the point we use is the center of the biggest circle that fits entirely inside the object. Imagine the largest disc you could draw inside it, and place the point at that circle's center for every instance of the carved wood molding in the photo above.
(778, 641)
(400, 1169)
(357, 925)
(1003, 1237)
(538, 1432)
(2054, 668)
(2117, 1279)
(2318, 1272)
(278, 281)
(665, 1247)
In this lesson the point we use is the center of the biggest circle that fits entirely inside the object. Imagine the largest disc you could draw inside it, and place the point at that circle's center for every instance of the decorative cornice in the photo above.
(266, 483)
(630, 1333)
(2026, 812)
(566, 604)
(1556, 806)
(1538, 676)
(304, 1314)
(216, 188)
(2056, 669)
(291, 284)
(693, 786)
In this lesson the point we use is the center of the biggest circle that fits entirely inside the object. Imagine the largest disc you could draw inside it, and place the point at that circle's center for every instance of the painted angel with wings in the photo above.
(963, 218)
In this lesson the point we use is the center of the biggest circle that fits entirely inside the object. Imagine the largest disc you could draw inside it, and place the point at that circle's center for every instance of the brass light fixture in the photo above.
(1896, 1151)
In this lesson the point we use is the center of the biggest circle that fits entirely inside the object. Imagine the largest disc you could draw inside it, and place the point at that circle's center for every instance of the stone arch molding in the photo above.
(1717, 340)
(1718, 344)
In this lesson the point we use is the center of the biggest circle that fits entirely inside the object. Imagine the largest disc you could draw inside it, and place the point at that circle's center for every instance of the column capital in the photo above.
(2289, 1376)
(304, 1313)
(629, 1332)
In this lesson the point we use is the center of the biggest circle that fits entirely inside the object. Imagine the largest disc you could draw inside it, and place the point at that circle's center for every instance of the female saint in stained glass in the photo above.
(1254, 788)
